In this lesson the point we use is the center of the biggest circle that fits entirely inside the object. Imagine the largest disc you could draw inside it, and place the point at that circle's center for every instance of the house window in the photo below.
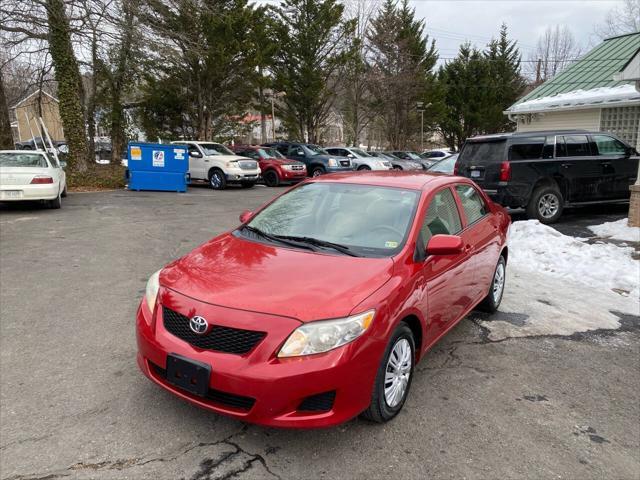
(623, 122)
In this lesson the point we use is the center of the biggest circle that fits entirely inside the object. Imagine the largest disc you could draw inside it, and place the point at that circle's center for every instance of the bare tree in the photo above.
(556, 49)
(621, 19)
(6, 137)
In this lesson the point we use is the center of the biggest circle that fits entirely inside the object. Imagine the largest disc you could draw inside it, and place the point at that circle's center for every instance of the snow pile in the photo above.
(537, 247)
(595, 96)
(619, 230)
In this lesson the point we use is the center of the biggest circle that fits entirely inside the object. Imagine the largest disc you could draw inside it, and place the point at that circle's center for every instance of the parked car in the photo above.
(318, 307)
(413, 156)
(274, 167)
(317, 160)
(215, 163)
(446, 165)
(397, 163)
(31, 175)
(361, 159)
(544, 172)
(437, 153)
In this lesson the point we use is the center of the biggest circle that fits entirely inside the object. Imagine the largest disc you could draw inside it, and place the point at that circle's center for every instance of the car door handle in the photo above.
(468, 248)
(206, 161)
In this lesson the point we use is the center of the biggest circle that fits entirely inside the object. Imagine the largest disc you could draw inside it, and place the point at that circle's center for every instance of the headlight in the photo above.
(333, 162)
(322, 336)
(151, 293)
(381, 164)
(287, 167)
(232, 163)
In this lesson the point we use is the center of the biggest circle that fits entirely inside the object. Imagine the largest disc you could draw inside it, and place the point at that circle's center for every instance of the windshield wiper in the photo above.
(277, 238)
(320, 243)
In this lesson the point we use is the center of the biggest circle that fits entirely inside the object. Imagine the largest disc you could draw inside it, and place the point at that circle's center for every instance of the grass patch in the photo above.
(97, 177)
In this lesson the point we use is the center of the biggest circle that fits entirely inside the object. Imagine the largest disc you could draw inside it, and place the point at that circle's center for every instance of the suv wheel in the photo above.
(217, 180)
(393, 379)
(317, 171)
(546, 204)
(271, 178)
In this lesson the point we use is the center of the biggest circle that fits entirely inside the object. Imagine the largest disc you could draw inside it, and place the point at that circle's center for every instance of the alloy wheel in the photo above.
(216, 181)
(398, 372)
(548, 205)
(498, 283)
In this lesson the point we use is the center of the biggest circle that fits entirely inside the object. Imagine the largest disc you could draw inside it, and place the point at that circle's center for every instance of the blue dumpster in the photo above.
(157, 166)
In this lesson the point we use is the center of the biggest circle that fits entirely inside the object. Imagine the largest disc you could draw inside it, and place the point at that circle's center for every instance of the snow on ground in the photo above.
(560, 285)
(619, 230)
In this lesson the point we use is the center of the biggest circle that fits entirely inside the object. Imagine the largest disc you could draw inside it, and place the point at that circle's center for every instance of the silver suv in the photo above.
(361, 159)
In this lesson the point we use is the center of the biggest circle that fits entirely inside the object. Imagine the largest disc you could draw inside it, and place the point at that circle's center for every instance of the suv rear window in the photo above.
(483, 153)
(529, 149)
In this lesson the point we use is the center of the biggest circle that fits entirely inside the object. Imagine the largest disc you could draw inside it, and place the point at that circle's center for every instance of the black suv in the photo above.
(545, 171)
(317, 160)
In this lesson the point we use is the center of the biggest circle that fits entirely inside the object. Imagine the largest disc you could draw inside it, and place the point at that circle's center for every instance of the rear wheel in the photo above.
(217, 180)
(364, 167)
(56, 202)
(393, 379)
(492, 301)
(546, 204)
(64, 192)
(271, 178)
(397, 167)
(317, 171)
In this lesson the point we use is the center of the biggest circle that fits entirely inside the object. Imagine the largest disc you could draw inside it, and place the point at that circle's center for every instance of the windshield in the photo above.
(445, 166)
(23, 160)
(369, 220)
(270, 153)
(413, 156)
(360, 153)
(212, 149)
(315, 149)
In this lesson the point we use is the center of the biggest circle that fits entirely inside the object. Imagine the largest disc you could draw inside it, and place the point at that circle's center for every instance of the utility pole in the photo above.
(420, 108)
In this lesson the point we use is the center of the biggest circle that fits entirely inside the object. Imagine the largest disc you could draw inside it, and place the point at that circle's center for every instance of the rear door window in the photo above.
(527, 149)
(607, 145)
(472, 203)
(483, 153)
(573, 146)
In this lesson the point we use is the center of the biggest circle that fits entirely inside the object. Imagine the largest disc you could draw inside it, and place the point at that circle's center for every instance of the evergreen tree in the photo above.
(402, 62)
(309, 64)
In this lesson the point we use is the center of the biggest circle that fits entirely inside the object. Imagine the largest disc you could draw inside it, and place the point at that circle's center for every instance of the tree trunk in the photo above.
(91, 101)
(6, 136)
(69, 85)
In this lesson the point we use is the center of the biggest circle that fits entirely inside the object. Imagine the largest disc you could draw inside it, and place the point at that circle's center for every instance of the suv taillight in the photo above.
(456, 169)
(505, 171)
(41, 179)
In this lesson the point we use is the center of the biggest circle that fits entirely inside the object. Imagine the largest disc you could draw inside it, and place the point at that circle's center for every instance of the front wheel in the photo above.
(393, 379)
(546, 204)
(317, 171)
(364, 167)
(217, 180)
(492, 301)
(271, 178)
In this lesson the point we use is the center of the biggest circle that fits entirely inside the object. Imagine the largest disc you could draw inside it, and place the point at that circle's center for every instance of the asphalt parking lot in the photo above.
(74, 405)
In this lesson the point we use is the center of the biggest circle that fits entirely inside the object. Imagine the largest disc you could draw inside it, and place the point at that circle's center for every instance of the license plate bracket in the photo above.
(188, 374)
(11, 194)
(475, 173)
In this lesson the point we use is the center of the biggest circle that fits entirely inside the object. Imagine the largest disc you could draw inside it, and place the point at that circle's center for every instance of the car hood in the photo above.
(233, 272)
(228, 157)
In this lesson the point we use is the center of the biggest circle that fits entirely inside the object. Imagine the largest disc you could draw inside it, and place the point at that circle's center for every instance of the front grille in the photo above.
(345, 163)
(321, 402)
(248, 164)
(220, 339)
(297, 167)
(216, 396)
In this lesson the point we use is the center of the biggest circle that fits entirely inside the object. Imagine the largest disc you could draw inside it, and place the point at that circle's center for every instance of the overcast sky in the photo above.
(451, 22)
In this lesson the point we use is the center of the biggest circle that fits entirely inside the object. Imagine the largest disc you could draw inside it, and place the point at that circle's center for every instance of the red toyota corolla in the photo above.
(318, 307)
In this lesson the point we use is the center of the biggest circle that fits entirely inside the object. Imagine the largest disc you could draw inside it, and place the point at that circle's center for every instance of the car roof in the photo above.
(197, 142)
(534, 133)
(402, 179)
(30, 152)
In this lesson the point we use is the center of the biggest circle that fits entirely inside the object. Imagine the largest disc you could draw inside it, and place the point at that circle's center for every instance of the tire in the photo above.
(364, 167)
(317, 171)
(492, 301)
(247, 184)
(397, 167)
(271, 178)
(217, 179)
(380, 410)
(546, 204)
(56, 202)
(64, 192)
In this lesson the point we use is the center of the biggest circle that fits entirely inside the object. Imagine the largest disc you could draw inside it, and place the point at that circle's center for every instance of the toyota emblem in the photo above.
(198, 325)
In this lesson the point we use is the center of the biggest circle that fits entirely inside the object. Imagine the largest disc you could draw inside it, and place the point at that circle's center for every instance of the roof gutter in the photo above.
(622, 103)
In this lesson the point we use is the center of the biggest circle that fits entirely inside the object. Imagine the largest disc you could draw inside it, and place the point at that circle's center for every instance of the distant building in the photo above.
(37, 104)
(600, 92)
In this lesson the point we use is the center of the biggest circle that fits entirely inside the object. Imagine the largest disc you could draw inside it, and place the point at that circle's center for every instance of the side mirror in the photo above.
(246, 216)
(350, 155)
(195, 154)
(444, 245)
(63, 164)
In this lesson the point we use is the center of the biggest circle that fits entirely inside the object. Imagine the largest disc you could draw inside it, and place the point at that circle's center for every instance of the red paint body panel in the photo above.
(270, 163)
(245, 284)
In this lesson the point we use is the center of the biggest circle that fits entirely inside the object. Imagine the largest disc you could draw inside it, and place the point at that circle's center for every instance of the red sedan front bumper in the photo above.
(259, 387)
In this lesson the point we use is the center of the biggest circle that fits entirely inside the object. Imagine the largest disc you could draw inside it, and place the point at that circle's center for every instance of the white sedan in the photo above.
(31, 175)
